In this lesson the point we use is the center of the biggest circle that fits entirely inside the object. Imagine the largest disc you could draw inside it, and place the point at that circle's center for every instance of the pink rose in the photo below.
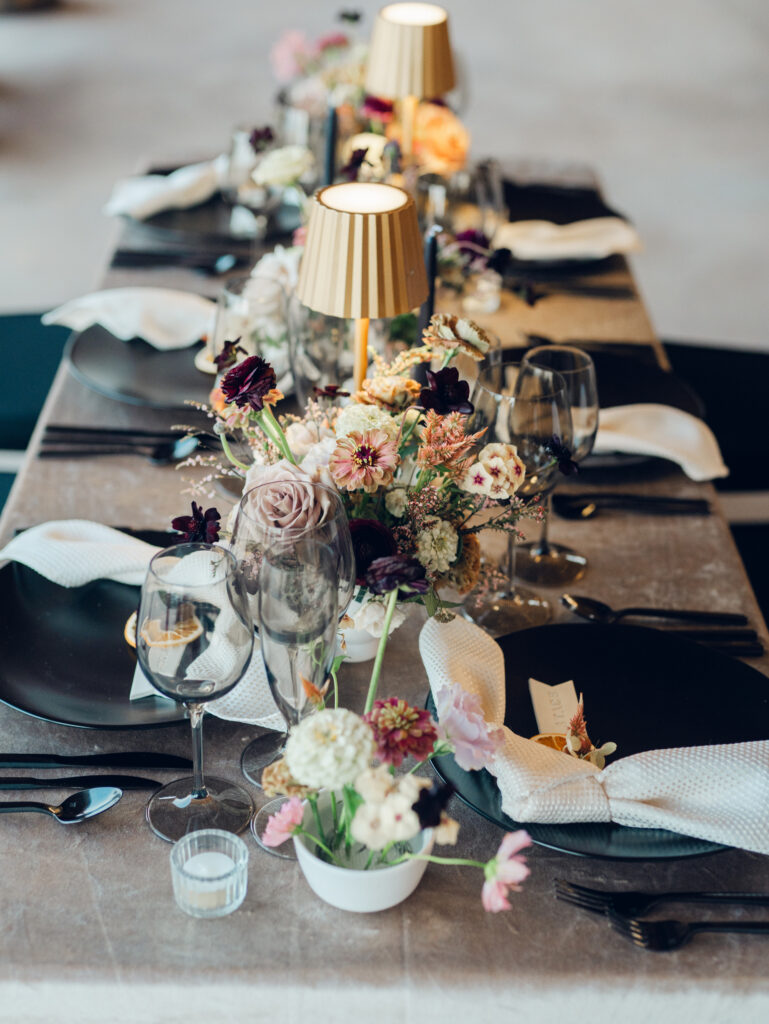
(283, 497)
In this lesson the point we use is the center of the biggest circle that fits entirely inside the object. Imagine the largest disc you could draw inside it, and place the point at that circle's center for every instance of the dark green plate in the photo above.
(644, 689)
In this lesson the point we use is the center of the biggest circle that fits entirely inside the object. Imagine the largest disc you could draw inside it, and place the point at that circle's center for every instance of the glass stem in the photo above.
(196, 712)
(510, 591)
(542, 547)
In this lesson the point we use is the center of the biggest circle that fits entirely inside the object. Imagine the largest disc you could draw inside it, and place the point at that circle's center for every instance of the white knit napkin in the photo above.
(162, 317)
(582, 239)
(73, 552)
(719, 793)
(663, 431)
(145, 195)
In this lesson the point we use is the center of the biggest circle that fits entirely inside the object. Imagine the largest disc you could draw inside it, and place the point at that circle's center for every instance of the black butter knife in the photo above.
(132, 759)
(80, 782)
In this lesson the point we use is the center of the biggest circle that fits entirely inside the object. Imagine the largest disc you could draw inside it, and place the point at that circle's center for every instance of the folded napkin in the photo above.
(719, 793)
(145, 195)
(582, 239)
(162, 317)
(73, 552)
(663, 431)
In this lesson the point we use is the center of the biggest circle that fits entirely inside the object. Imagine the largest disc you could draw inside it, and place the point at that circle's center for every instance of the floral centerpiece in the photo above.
(414, 479)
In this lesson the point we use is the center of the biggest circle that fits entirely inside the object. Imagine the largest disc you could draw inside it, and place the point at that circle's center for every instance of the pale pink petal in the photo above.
(494, 897)
(513, 843)
(282, 824)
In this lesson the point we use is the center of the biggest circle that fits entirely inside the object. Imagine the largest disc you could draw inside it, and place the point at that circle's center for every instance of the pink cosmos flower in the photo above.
(505, 872)
(461, 724)
(364, 461)
(283, 823)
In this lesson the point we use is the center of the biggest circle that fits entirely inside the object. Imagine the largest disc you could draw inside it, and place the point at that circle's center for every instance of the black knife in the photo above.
(81, 782)
(132, 759)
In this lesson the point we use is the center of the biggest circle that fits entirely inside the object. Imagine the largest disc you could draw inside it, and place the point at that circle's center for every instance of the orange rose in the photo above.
(441, 141)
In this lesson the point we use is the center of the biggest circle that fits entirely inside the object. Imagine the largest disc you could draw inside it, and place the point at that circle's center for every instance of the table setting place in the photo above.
(404, 501)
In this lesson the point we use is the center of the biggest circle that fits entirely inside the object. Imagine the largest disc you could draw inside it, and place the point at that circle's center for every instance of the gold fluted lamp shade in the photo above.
(410, 53)
(362, 258)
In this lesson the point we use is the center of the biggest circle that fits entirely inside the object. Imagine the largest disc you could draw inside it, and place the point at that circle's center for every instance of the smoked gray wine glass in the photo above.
(194, 641)
(524, 406)
(542, 561)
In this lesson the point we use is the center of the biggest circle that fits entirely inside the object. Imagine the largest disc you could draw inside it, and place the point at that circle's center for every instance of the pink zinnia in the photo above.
(505, 872)
(364, 461)
(283, 823)
(462, 725)
(400, 730)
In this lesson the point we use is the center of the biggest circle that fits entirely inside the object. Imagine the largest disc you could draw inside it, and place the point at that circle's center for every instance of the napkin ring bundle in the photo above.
(718, 793)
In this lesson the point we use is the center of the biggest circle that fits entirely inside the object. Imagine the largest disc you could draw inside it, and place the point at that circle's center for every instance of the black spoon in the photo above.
(76, 808)
(597, 611)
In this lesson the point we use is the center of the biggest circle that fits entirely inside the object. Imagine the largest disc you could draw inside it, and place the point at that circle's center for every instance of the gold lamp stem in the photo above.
(408, 116)
(361, 351)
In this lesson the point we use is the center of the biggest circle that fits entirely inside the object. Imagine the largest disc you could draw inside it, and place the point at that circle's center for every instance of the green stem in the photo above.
(372, 687)
(462, 861)
(274, 432)
(315, 813)
(448, 356)
(302, 832)
(228, 452)
(334, 812)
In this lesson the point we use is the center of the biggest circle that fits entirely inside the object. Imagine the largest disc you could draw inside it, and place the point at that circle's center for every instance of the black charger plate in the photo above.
(62, 653)
(644, 689)
(136, 372)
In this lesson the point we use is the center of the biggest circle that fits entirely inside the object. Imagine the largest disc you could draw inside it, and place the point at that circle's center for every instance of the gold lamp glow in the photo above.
(410, 59)
(362, 258)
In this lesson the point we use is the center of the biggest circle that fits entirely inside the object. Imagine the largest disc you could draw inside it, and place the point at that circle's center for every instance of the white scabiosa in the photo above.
(330, 749)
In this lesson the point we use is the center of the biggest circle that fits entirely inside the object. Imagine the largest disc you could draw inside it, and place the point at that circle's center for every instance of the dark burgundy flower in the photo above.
(471, 241)
(370, 540)
(401, 730)
(562, 455)
(431, 803)
(350, 170)
(260, 138)
(500, 261)
(377, 109)
(199, 528)
(248, 383)
(229, 355)
(331, 391)
(446, 393)
(396, 571)
(350, 16)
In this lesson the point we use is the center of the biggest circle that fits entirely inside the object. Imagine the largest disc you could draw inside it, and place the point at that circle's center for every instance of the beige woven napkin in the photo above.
(719, 793)
(582, 239)
(148, 194)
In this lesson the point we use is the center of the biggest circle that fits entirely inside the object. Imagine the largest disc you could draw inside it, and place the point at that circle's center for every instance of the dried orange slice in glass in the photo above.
(129, 631)
(183, 632)
(556, 740)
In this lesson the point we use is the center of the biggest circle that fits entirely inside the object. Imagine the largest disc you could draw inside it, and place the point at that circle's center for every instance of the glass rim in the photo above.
(479, 383)
(239, 853)
(243, 279)
(193, 546)
(586, 365)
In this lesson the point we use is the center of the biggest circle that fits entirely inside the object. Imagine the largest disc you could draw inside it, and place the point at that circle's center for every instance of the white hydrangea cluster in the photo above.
(437, 545)
(358, 417)
(330, 749)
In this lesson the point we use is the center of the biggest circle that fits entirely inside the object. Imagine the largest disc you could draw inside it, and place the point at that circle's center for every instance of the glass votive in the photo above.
(209, 870)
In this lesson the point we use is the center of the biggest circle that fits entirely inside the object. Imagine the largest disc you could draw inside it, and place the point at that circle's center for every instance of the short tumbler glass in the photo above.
(209, 871)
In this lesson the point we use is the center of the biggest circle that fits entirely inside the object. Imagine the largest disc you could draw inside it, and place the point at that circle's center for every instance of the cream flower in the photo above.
(396, 501)
(329, 749)
(375, 784)
(447, 331)
(368, 827)
(437, 545)
(476, 480)
(371, 617)
(282, 265)
(360, 418)
(505, 468)
(284, 166)
(399, 819)
(302, 436)
(447, 831)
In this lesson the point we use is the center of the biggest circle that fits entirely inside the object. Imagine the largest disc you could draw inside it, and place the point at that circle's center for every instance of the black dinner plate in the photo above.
(136, 372)
(645, 690)
(209, 224)
(62, 653)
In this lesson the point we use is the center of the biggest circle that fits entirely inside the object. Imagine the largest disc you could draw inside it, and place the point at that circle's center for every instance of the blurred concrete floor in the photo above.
(668, 101)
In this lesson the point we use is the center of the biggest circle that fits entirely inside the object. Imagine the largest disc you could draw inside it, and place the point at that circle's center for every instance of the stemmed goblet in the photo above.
(194, 641)
(541, 561)
(277, 518)
(525, 406)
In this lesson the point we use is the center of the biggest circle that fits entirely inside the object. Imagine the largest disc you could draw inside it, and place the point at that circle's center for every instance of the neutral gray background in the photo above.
(668, 100)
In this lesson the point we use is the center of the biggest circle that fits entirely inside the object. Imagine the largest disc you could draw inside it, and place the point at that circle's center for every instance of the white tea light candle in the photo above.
(209, 873)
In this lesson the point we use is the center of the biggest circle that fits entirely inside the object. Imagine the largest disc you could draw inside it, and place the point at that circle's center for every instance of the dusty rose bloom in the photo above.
(461, 723)
(282, 497)
(282, 825)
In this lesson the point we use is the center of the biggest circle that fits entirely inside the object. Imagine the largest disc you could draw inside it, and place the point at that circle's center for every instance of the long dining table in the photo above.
(90, 929)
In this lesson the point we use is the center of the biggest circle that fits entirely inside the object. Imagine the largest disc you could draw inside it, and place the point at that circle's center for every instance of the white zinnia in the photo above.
(283, 166)
(437, 545)
(357, 417)
(329, 749)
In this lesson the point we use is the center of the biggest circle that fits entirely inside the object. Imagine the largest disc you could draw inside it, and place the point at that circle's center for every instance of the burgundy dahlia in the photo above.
(249, 383)
(446, 393)
(199, 528)
(370, 540)
(395, 571)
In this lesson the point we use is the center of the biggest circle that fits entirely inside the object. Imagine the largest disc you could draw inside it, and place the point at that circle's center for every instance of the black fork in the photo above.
(635, 904)
(661, 936)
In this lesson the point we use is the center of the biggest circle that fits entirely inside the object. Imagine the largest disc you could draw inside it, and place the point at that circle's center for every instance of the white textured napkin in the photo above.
(145, 195)
(719, 793)
(73, 552)
(582, 239)
(661, 430)
(163, 317)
